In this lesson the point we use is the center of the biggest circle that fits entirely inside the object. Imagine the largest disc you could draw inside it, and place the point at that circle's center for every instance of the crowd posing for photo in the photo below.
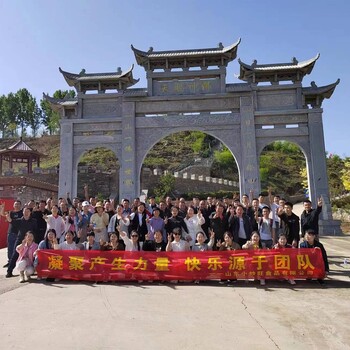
(170, 225)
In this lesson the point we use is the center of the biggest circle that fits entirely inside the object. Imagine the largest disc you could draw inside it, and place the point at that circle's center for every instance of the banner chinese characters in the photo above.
(126, 266)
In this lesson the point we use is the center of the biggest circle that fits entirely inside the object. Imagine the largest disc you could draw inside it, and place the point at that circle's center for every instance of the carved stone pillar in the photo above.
(318, 179)
(128, 172)
(66, 182)
(249, 169)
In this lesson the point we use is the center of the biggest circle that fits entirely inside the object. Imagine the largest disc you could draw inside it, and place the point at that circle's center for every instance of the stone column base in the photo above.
(329, 228)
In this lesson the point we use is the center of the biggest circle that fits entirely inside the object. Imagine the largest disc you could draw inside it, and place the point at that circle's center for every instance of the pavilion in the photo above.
(20, 152)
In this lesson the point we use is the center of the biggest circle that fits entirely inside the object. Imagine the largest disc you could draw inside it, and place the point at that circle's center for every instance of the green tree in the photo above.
(26, 108)
(345, 174)
(4, 122)
(166, 186)
(335, 165)
(50, 118)
(280, 164)
(36, 118)
(11, 110)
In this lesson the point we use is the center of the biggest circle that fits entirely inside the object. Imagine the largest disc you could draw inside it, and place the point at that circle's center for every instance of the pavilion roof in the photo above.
(21, 150)
(218, 56)
(100, 81)
(294, 70)
(314, 94)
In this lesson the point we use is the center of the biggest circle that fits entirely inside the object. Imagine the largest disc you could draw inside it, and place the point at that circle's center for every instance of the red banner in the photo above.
(3, 222)
(239, 264)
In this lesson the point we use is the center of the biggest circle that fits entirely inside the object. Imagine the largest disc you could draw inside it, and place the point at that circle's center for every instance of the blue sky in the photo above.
(39, 36)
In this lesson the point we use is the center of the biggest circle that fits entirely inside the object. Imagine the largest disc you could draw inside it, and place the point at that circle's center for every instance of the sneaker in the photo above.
(262, 282)
(292, 282)
(6, 265)
(9, 274)
(21, 277)
(27, 278)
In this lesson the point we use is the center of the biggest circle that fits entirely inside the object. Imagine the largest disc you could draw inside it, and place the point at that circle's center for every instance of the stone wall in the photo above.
(26, 189)
(106, 184)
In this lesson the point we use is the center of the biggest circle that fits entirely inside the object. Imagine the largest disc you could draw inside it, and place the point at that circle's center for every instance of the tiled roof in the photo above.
(192, 52)
(279, 66)
(20, 145)
(96, 76)
(62, 102)
(326, 91)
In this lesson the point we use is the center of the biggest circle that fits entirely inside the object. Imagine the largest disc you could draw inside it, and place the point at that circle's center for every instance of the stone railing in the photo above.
(196, 177)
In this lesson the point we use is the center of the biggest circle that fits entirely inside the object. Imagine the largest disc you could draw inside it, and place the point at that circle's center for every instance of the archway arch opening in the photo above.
(195, 163)
(283, 169)
(98, 168)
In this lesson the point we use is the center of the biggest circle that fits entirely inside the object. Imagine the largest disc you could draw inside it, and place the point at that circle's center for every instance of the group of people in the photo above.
(170, 225)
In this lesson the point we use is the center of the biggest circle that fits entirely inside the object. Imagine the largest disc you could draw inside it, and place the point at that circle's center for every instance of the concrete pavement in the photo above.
(81, 315)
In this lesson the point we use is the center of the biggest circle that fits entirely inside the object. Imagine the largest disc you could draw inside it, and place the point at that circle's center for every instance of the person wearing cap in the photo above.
(99, 222)
(155, 223)
(90, 243)
(311, 242)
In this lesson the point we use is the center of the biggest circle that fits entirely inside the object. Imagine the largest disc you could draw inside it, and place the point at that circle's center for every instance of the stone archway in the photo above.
(149, 144)
(244, 116)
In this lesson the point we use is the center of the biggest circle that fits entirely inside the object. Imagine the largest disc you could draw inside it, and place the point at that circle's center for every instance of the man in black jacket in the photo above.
(22, 226)
(309, 217)
(290, 224)
(241, 226)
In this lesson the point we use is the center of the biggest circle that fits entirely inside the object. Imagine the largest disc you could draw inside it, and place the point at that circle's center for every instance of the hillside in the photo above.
(171, 153)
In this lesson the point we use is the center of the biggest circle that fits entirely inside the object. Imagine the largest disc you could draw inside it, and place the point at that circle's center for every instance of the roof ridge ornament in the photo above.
(82, 72)
(294, 60)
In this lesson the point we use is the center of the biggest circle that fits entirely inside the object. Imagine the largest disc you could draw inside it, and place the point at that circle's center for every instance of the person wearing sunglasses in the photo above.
(132, 244)
(176, 245)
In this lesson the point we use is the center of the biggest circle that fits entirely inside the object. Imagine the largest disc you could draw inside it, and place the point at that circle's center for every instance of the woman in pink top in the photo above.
(25, 261)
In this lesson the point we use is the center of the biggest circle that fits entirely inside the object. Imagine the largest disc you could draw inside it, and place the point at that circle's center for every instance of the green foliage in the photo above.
(335, 165)
(345, 174)
(280, 165)
(100, 157)
(341, 203)
(165, 186)
(224, 165)
(204, 195)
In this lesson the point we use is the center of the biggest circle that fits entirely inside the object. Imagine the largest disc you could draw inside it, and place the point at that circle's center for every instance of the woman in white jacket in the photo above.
(119, 222)
(194, 224)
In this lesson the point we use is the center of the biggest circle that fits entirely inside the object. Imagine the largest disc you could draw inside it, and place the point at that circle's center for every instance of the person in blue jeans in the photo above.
(12, 231)
(22, 225)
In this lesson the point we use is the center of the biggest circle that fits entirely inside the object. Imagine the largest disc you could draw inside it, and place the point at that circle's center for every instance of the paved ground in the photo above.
(70, 315)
